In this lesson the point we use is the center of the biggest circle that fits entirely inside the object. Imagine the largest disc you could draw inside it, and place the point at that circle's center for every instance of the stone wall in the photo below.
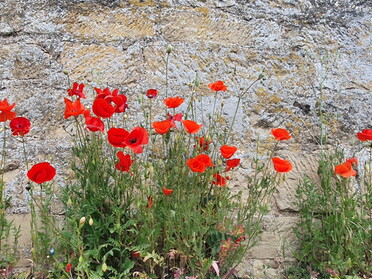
(311, 52)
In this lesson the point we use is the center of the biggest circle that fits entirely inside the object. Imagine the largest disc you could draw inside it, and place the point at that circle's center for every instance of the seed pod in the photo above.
(82, 220)
(169, 48)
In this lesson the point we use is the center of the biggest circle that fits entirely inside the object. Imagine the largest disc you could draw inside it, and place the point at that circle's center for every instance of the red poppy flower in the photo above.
(280, 134)
(103, 108)
(166, 191)
(162, 127)
(281, 165)
(203, 143)
(94, 124)
(136, 138)
(228, 151)
(200, 163)
(173, 102)
(173, 118)
(205, 159)
(345, 170)
(101, 94)
(73, 108)
(219, 180)
(353, 161)
(68, 267)
(77, 89)
(41, 172)
(365, 135)
(124, 162)
(152, 93)
(217, 86)
(196, 165)
(191, 126)
(117, 136)
(120, 101)
(20, 126)
(232, 163)
(5, 111)
(150, 202)
(5, 106)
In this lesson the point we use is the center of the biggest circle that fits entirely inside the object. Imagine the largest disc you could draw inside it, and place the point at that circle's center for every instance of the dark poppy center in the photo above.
(132, 140)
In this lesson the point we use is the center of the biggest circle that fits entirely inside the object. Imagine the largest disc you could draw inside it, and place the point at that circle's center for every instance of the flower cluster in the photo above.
(346, 168)
(200, 162)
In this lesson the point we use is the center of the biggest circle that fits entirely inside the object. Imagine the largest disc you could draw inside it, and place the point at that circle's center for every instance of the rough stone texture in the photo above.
(309, 50)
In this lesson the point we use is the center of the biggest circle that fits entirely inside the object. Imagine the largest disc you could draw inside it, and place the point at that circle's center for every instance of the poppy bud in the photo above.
(284, 177)
(104, 267)
(65, 72)
(197, 82)
(81, 259)
(82, 220)
(367, 167)
(69, 202)
(169, 48)
(219, 162)
(151, 169)
(91, 222)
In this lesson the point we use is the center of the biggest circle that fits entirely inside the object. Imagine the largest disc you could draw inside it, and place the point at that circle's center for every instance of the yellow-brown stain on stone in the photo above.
(141, 3)
(269, 103)
(266, 98)
(279, 71)
(102, 64)
(195, 25)
(108, 25)
(203, 10)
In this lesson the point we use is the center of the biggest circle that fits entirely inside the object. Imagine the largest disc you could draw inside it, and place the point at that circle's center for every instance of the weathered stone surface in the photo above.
(315, 56)
(98, 24)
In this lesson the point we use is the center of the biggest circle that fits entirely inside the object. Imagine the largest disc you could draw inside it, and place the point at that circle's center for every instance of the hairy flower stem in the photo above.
(41, 207)
(191, 104)
(2, 167)
(34, 227)
(237, 107)
(166, 74)
(24, 151)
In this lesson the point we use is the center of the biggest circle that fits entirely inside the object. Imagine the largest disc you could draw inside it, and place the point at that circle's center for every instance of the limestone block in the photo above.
(198, 24)
(22, 62)
(102, 24)
(303, 164)
(101, 65)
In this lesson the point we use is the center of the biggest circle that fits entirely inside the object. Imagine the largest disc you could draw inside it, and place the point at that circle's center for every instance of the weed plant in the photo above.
(335, 218)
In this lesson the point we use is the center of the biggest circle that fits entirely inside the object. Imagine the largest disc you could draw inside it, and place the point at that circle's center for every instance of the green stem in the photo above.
(24, 151)
(237, 107)
(166, 75)
(42, 209)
